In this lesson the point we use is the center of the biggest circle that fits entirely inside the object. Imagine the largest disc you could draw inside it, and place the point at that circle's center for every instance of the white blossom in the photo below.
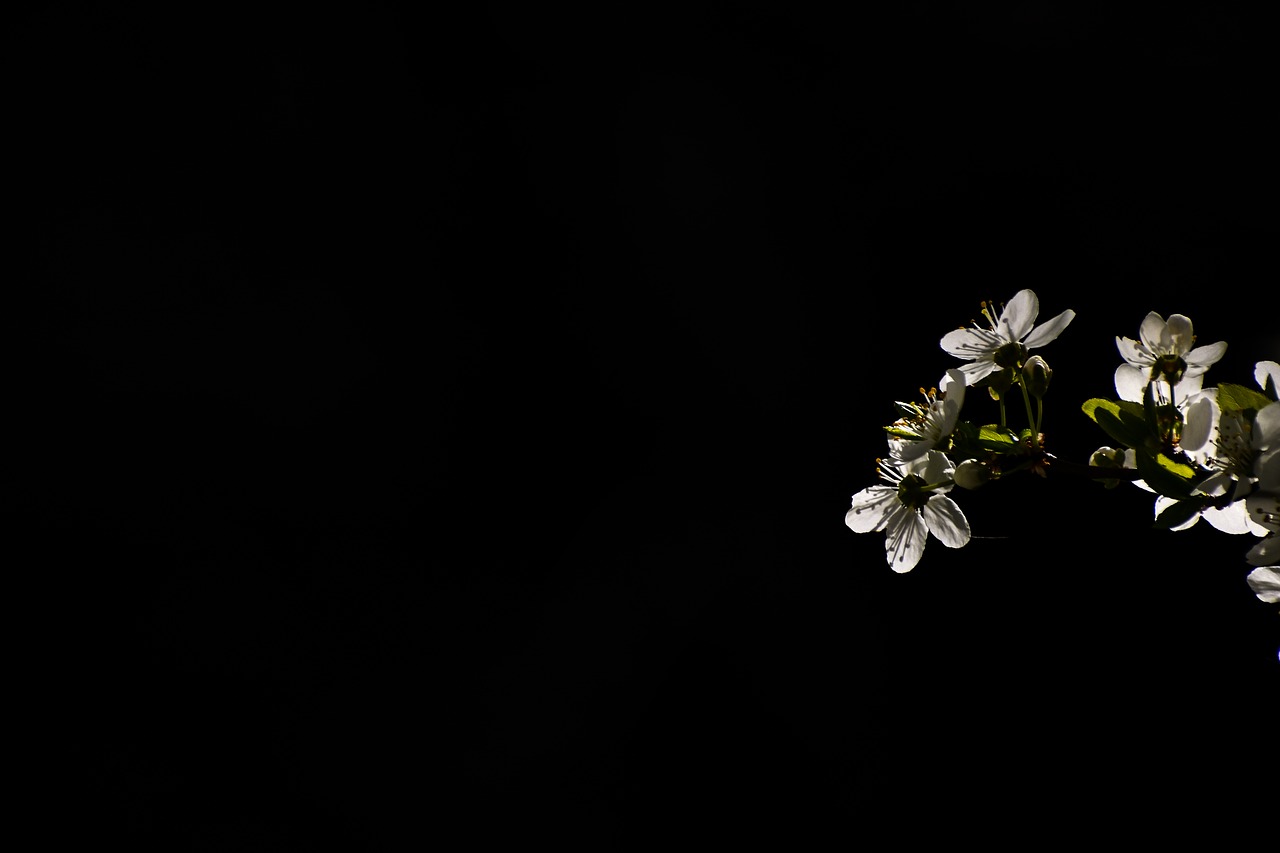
(1165, 352)
(1009, 336)
(921, 428)
(909, 505)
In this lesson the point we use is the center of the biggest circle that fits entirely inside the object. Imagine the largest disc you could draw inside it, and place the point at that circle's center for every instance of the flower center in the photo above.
(1011, 355)
(912, 493)
(1169, 368)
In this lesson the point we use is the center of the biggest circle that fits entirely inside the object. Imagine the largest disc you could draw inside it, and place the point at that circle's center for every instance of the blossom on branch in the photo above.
(1010, 336)
(910, 504)
(921, 428)
(1164, 354)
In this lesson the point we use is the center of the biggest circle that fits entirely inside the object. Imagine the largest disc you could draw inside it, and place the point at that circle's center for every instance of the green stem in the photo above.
(1026, 399)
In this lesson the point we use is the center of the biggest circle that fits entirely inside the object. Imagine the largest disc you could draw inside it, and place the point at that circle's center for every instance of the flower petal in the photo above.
(1163, 502)
(1188, 386)
(1265, 583)
(1201, 359)
(871, 508)
(976, 371)
(1198, 422)
(1154, 334)
(1267, 470)
(1019, 315)
(946, 521)
(1046, 332)
(936, 469)
(970, 344)
(1133, 353)
(905, 541)
(908, 449)
(1181, 336)
(1129, 383)
(1229, 519)
(1266, 428)
(1265, 370)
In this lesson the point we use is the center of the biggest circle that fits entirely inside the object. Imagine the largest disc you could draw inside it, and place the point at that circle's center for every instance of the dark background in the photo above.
(428, 421)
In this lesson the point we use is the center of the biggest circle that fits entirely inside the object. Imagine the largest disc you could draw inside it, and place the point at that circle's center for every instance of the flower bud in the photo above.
(1107, 457)
(970, 474)
(1036, 374)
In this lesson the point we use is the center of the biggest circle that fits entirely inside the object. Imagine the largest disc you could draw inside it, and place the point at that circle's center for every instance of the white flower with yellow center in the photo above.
(922, 427)
(1164, 353)
(1008, 339)
(910, 504)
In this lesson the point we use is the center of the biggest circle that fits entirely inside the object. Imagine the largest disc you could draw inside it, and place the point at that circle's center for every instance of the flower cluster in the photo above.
(1210, 452)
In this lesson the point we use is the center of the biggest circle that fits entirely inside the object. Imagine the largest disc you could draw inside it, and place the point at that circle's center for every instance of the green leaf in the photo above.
(1090, 407)
(1238, 398)
(1182, 469)
(1178, 513)
(996, 439)
(1122, 423)
(1138, 410)
(1164, 475)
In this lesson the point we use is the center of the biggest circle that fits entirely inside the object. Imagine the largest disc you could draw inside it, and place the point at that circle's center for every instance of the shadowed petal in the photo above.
(975, 371)
(1198, 422)
(1163, 502)
(937, 468)
(909, 450)
(1266, 427)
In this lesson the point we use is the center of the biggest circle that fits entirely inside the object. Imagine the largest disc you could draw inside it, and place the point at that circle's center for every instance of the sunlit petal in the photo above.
(1201, 359)
(1020, 315)
(946, 521)
(1049, 331)
(1229, 519)
(966, 343)
(1154, 333)
(872, 508)
(1181, 336)
(1129, 383)
(1133, 354)
(1267, 370)
(1265, 581)
(904, 544)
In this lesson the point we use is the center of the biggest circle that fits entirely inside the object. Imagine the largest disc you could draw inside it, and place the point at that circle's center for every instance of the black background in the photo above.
(429, 421)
